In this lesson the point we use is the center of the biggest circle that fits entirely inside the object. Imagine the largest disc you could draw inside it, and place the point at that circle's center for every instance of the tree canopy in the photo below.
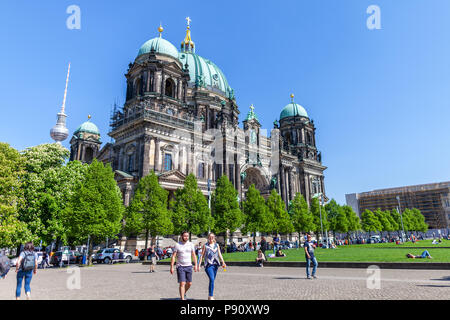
(148, 211)
(190, 209)
(225, 207)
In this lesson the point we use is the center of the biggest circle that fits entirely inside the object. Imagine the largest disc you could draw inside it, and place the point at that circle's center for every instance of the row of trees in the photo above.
(43, 198)
(150, 213)
(390, 221)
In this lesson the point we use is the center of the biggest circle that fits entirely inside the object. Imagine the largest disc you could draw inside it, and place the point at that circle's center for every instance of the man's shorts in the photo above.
(153, 261)
(184, 274)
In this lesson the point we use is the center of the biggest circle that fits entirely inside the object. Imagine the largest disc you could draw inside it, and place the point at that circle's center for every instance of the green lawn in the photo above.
(356, 253)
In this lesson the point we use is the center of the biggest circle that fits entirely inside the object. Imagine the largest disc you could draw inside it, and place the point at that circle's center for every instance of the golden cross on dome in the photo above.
(188, 21)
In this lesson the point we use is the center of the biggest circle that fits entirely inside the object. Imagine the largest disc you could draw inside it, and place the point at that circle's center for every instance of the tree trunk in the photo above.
(146, 241)
(90, 254)
(225, 240)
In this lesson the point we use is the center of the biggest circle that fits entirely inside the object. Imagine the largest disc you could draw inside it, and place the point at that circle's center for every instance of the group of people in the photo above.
(26, 266)
(185, 252)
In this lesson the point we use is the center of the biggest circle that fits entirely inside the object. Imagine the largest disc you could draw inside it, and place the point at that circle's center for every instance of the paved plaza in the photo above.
(133, 281)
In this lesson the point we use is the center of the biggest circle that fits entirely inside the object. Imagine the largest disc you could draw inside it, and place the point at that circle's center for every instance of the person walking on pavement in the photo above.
(263, 245)
(44, 261)
(276, 243)
(26, 266)
(309, 255)
(212, 256)
(153, 255)
(184, 253)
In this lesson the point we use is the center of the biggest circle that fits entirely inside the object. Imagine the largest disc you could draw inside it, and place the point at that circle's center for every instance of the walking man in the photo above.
(184, 253)
(309, 255)
(276, 243)
(263, 245)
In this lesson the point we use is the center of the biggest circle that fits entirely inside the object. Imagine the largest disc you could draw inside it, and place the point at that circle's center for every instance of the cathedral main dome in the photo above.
(205, 73)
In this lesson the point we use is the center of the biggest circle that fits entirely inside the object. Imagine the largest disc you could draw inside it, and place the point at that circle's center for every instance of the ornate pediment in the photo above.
(172, 176)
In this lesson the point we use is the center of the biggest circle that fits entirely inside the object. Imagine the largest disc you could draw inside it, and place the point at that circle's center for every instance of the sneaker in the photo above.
(314, 277)
(308, 277)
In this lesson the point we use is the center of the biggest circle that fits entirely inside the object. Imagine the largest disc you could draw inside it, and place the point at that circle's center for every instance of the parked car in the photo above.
(106, 255)
(75, 257)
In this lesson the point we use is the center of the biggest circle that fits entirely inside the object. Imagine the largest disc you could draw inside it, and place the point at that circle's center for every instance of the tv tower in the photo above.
(60, 132)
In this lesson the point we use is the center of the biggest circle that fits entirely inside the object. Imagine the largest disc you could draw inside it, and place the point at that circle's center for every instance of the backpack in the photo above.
(28, 262)
(5, 265)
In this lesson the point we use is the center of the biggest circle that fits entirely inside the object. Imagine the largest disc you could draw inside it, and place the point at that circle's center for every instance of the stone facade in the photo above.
(176, 125)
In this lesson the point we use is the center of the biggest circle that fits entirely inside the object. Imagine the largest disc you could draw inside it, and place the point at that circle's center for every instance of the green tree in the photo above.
(398, 219)
(354, 223)
(383, 220)
(369, 222)
(392, 222)
(148, 211)
(225, 207)
(317, 212)
(190, 209)
(420, 223)
(48, 185)
(257, 218)
(12, 231)
(301, 217)
(336, 217)
(95, 210)
(277, 208)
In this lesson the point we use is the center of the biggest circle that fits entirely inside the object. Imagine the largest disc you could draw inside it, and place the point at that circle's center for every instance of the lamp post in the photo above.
(399, 210)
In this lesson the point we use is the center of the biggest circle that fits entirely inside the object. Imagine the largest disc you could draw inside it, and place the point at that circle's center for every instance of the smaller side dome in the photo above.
(293, 109)
(88, 127)
(159, 45)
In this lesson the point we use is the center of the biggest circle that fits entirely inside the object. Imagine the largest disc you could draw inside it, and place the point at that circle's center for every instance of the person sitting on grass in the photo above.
(424, 255)
(260, 259)
(279, 254)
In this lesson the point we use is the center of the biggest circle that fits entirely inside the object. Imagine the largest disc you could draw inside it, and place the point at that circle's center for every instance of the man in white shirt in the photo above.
(184, 253)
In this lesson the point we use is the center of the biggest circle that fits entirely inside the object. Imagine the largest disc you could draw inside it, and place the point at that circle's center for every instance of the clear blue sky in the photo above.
(380, 98)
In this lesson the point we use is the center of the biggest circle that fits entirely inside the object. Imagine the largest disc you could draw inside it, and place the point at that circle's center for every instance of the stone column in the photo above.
(158, 81)
(127, 194)
(157, 151)
(282, 184)
(176, 158)
(148, 81)
(291, 184)
(146, 157)
(307, 189)
(179, 89)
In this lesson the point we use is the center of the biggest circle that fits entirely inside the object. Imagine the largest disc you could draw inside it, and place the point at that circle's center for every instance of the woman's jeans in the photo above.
(425, 254)
(314, 261)
(20, 275)
(211, 271)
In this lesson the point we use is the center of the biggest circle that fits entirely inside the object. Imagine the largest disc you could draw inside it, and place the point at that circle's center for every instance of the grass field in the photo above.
(379, 252)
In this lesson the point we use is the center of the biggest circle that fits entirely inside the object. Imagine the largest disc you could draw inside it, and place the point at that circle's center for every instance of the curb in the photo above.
(357, 265)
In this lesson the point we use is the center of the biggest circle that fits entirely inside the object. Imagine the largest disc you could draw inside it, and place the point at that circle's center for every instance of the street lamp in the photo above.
(401, 216)
(320, 196)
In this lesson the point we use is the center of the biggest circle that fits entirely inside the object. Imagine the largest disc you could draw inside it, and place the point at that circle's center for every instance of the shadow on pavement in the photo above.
(443, 279)
(288, 278)
(432, 285)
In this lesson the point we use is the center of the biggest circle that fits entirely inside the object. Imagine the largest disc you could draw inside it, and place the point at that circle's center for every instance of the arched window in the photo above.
(170, 88)
(201, 170)
(130, 163)
(167, 162)
(89, 155)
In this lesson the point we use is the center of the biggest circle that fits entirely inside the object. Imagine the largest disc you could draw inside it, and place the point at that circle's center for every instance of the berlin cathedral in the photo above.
(181, 117)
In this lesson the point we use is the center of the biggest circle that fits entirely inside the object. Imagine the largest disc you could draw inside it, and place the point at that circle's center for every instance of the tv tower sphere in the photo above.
(60, 132)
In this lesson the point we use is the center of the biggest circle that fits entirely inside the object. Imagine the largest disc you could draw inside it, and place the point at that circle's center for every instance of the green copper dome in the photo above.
(160, 45)
(204, 73)
(293, 109)
(88, 126)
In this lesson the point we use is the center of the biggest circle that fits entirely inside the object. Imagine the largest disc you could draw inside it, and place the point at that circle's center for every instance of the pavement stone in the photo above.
(133, 281)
